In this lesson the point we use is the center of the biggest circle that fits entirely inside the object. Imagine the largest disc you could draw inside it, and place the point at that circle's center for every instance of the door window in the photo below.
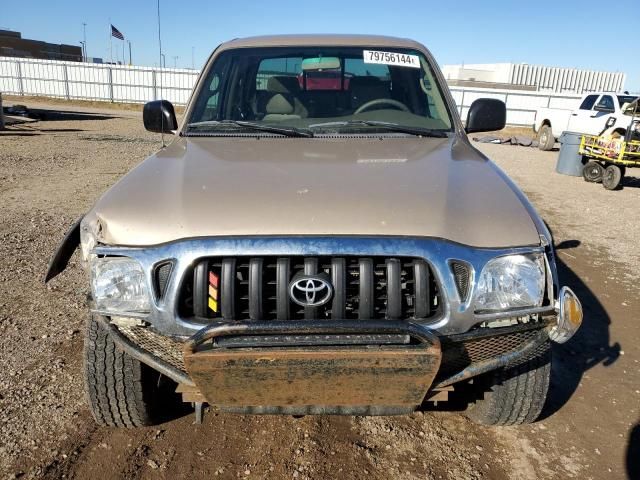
(587, 103)
(606, 103)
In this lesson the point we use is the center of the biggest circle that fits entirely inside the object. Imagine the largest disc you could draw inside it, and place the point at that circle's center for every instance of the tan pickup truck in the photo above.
(320, 237)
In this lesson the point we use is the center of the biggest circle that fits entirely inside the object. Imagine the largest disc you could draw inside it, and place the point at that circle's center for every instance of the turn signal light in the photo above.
(569, 316)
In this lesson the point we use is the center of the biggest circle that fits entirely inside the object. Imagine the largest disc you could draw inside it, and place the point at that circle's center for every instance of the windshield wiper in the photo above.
(392, 127)
(287, 131)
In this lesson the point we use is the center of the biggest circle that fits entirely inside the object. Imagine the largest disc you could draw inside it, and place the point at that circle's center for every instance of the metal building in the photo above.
(521, 76)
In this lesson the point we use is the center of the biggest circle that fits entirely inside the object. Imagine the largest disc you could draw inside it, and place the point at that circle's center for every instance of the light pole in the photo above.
(129, 42)
(84, 50)
(164, 60)
(193, 63)
(84, 40)
(175, 61)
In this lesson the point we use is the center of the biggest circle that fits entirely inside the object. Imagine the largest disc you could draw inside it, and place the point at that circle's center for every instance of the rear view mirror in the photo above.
(486, 115)
(320, 63)
(159, 117)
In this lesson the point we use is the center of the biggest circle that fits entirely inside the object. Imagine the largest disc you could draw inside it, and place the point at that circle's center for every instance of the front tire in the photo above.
(122, 391)
(515, 395)
(546, 140)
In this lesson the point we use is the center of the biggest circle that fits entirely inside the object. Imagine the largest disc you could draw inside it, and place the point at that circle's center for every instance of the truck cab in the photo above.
(589, 118)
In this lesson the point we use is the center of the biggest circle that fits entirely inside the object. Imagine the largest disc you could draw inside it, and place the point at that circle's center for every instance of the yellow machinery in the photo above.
(609, 157)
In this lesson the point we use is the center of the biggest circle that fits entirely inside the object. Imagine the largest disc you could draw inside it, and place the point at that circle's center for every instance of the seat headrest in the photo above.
(283, 84)
(278, 104)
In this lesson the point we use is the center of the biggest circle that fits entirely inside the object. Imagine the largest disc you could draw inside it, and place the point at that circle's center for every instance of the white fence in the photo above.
(94, 81)
(120, 83)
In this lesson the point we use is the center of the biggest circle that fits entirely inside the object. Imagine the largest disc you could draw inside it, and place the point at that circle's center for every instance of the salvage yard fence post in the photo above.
(65, 73)
(110, 82)
(1, 114)
(154, 83)
(138, 84)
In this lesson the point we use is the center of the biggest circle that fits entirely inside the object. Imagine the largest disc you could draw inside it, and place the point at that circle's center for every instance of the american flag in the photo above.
(116, 33)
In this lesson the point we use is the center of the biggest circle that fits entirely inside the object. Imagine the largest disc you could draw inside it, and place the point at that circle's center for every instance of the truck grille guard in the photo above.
(464, 356)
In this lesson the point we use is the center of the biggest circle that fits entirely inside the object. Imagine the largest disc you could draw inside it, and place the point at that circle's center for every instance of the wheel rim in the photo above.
(608, 177)
(594, 172)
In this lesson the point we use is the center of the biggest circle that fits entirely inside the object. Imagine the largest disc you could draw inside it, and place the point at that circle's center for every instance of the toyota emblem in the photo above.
(310, 290)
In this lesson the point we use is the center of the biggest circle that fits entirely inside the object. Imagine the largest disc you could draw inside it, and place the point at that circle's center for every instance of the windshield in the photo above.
(320, 90)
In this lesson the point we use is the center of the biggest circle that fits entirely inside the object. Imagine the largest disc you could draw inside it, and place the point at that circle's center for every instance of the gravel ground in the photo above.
(52, 171)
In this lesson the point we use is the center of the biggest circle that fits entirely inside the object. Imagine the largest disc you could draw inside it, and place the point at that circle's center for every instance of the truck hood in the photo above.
(399, 186)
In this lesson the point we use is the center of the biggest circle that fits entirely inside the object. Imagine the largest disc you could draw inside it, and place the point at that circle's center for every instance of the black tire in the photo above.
(546, 140)
(612, 177)
(515, 395)
(592, 172)
(122, 391)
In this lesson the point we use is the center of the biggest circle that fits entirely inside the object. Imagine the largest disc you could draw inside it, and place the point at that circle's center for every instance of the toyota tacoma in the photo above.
(318, 247)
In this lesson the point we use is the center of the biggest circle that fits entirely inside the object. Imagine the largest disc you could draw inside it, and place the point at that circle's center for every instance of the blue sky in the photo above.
(557, 33)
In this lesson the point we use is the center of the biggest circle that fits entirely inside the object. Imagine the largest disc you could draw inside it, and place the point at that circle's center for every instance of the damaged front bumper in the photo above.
(237, 367)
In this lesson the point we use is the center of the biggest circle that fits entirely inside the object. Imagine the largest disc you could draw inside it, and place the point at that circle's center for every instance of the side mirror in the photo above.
(611, 121)
(485, 115)
(159, 117)
(602, 108)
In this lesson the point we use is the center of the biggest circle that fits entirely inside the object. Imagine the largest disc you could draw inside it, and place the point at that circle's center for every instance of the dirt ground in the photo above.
(53, 170)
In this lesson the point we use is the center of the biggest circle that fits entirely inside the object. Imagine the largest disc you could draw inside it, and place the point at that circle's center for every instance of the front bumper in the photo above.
(357, 379)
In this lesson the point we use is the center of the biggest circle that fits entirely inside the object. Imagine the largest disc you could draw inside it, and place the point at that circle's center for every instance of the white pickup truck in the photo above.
(589, 118)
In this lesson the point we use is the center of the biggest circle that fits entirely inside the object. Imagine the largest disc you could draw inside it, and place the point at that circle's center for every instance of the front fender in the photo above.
(63, 253)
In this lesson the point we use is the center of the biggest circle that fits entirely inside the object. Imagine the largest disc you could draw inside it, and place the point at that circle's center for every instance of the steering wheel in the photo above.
(381, 101)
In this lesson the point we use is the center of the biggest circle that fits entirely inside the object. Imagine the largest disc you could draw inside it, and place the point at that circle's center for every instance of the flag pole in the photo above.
(160, 71)
(110, 43)
(123, 61)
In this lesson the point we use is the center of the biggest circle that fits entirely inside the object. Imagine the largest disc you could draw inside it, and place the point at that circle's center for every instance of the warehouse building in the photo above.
(521, 76)
(13, 45)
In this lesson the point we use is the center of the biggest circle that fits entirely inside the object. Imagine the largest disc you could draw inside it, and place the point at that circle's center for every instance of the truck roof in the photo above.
(306, 40)
(620, 94)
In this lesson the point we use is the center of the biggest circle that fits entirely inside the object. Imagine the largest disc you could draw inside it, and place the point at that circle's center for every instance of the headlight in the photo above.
(119, 285)
(513, 281)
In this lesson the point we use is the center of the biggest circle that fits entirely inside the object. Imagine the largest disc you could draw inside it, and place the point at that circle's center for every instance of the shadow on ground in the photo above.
(629, 181)
(61, 130)
(633, 453)
(17, 133)
(67, 115)
(50, 115)
(590, 346)
(18, 128)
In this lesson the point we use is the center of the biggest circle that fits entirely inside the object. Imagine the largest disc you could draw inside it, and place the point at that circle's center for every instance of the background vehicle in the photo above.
(590, 117)
(608, 156)
(319, 250)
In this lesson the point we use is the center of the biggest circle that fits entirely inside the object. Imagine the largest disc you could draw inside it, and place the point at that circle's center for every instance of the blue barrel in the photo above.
(569, 160)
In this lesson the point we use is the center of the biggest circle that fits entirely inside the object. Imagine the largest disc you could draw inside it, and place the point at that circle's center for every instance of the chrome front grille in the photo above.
(257, 288)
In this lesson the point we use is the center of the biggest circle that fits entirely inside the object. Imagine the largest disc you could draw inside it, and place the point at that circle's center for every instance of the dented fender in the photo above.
(63, 253)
